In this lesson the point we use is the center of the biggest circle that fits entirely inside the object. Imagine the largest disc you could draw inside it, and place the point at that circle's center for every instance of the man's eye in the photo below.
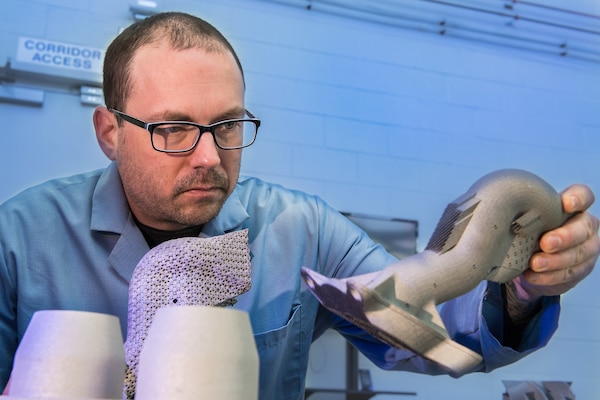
(172, 129)
(229, 125)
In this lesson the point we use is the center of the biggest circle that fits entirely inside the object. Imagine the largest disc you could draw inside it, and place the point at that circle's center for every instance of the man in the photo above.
(73, 243)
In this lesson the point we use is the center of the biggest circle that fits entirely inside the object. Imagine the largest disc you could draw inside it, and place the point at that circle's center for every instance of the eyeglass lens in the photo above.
(181, 137)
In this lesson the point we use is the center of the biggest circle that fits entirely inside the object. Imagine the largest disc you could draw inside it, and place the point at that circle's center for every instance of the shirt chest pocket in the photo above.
(283, 356)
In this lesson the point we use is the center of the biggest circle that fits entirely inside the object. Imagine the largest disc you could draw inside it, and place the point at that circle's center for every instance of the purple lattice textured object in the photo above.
(488, 233)
(187, 271)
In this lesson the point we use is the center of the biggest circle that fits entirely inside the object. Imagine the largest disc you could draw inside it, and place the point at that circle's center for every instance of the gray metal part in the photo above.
(488, 233)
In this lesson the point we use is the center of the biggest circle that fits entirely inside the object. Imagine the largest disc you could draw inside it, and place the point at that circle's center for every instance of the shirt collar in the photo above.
(231, 216)
(110, 210)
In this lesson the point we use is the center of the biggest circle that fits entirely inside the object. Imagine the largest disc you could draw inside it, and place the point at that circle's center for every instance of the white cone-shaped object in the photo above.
(198, 352)
(69, 354)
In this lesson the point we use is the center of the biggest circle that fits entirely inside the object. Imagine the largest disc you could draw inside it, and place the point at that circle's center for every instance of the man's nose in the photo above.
(206, 153)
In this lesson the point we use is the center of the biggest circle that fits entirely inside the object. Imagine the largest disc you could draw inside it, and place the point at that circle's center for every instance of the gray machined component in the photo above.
(488, 233)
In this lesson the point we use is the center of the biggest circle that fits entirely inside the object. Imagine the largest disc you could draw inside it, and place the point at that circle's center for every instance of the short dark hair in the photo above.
(181, 30)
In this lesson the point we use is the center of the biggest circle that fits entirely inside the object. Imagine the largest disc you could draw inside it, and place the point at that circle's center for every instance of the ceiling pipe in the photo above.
(562, 10)
(435, 21)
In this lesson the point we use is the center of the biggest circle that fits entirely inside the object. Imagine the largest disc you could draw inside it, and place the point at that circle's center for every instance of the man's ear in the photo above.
(107, 129)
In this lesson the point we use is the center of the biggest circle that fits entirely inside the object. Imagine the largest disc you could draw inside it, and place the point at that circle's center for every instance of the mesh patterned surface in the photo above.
(187, 271)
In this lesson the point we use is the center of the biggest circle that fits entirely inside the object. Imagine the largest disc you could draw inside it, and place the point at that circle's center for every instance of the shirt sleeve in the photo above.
(8, 323)
(476, 320)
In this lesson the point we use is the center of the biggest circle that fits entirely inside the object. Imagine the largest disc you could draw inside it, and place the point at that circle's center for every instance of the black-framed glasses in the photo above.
(183, 136)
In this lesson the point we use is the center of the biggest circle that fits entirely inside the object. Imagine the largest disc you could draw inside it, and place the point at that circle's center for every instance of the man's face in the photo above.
(172, 191)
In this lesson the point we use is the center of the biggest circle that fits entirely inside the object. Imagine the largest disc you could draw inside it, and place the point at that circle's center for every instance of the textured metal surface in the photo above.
(488, 233)
(187, 271)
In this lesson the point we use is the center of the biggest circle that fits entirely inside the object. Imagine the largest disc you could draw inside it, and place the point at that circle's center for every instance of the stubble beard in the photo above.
(169, 209)
(203, 211)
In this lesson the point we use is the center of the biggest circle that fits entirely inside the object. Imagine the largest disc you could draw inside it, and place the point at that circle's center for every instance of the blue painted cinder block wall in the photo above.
(374, 118)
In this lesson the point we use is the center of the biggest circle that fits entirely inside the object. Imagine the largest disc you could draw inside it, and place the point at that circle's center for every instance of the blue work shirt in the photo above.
(73, 244)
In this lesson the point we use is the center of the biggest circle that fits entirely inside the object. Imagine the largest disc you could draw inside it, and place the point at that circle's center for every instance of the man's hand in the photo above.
(568, 254)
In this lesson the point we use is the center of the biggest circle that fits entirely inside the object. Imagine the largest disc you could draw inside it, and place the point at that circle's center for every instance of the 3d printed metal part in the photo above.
(490, 233)
(188, 271)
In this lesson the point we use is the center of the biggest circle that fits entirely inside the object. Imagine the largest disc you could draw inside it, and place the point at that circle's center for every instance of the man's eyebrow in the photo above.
(233, 113)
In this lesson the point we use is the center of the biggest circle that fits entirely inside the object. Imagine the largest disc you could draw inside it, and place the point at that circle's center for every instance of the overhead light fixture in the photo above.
(142, 9)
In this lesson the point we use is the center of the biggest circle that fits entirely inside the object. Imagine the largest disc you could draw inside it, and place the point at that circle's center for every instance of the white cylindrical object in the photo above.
(69, 354)
(198, 352)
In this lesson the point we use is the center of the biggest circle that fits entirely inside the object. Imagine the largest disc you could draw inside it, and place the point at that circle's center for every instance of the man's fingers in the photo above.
(577, 230)
(577, 198)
